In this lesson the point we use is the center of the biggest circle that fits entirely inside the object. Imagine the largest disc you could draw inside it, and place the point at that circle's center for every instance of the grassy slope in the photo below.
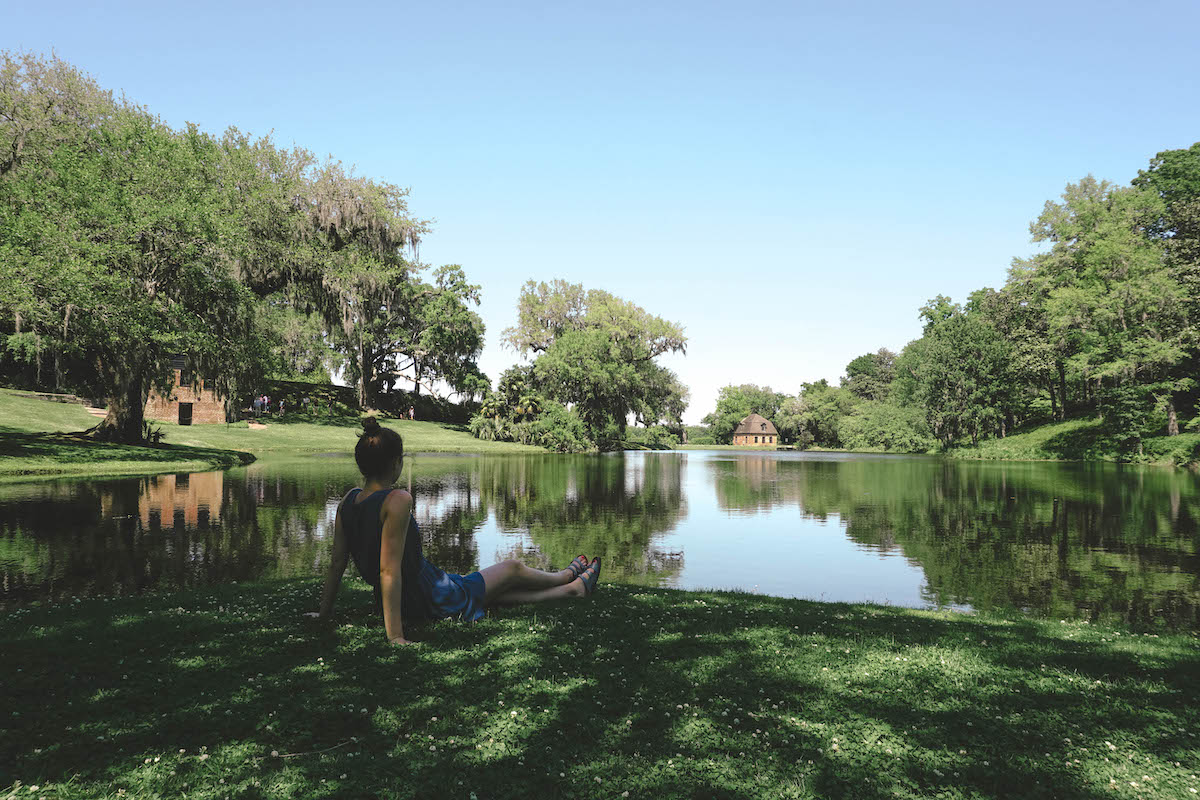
(297, 436)
(37, 437)
(226, 691)
(1079, 440)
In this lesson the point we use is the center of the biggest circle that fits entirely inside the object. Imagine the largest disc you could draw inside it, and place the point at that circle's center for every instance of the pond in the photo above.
(1096, 541)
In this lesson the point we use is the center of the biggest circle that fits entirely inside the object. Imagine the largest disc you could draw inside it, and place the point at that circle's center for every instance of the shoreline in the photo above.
(1077, 440)
(40, 438)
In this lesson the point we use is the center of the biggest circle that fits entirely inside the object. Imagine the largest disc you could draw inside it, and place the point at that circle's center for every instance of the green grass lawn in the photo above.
(1080, 440)
(642, 693)
(297, 434)
(40, 437)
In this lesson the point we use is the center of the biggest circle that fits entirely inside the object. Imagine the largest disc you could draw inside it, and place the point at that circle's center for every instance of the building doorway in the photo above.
(185, 413)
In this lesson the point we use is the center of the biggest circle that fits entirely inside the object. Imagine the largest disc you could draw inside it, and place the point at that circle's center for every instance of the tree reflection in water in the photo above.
(61, 539)
(614, 506)
(1091, 540)
(1065, 539)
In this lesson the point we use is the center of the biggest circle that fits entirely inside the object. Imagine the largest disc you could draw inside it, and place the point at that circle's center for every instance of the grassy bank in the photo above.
(40, 437)
(748, 448)
(1070, 440)
(227, 692)
(1081, 440)
(298, 435)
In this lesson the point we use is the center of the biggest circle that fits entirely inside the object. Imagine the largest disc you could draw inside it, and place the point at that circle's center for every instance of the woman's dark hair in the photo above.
(377, 449)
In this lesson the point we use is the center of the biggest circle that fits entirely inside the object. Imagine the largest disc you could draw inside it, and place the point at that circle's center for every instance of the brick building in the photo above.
(192, 399)
(755, 429)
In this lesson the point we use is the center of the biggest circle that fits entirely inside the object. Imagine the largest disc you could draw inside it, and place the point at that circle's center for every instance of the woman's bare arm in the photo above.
(397, 508)
(337, 566)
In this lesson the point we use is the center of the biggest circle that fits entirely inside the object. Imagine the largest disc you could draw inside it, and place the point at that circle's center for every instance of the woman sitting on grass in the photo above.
(375, 525)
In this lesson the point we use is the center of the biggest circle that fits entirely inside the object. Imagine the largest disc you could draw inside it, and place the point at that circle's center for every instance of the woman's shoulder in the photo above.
(397, 499)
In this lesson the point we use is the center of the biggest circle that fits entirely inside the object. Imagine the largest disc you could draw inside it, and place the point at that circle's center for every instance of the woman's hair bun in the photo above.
(370, 425)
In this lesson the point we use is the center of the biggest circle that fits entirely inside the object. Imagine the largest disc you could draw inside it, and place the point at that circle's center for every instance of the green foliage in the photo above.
(124, 242)
(116, 239)
(1018, 313)
(959, 374)
(301, 347)
(1114, 301)
(489, 429)
(870, 376)
(735, 403)
(811, 418)
(428, 332)
(516, 412)
(1174, 175)
(551, 426)
(885, 426)
(556, 429)
(595, 352)
(655, 437)
(817, 414)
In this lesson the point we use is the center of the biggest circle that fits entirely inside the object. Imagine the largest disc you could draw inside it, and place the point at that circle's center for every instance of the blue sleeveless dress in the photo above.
(427, 591)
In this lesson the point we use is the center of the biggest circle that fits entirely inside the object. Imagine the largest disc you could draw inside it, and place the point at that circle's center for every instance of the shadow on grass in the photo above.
(1084, 443)
(78, 449)
(332, 421)
(657, 693)
(349, 421)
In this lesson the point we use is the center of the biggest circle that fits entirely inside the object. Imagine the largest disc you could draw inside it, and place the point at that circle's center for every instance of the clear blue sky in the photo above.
(789, 181)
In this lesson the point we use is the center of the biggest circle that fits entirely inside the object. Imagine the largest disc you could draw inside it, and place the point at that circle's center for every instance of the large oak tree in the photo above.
(596, 353)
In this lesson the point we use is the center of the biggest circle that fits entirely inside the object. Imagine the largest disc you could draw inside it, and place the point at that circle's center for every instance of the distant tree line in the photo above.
(1104, 322)
(124, 242)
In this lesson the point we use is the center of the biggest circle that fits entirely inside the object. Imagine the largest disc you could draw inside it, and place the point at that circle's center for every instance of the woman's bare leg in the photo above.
(513, 576)
(518, 596)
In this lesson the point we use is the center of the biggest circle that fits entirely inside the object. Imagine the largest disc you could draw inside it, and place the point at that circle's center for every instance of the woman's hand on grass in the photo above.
(400, 640)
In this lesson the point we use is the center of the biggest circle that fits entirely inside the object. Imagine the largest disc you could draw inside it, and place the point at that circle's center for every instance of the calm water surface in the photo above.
(1082, 540)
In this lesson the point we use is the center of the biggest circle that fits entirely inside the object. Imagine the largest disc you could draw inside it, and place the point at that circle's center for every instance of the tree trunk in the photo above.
(416, 378)
(37, 358)
(1172, 419)
(366, 378)
(1062, 390)
(1053, 402)
(1003, 428)
(126, 408)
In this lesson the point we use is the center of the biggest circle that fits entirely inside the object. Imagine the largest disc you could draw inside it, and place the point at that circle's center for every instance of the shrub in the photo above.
(489, 429)
(883, 426)
(655, 437)
(555, 428)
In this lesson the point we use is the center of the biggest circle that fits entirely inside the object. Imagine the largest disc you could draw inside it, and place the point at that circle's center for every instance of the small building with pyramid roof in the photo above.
(755, 430)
